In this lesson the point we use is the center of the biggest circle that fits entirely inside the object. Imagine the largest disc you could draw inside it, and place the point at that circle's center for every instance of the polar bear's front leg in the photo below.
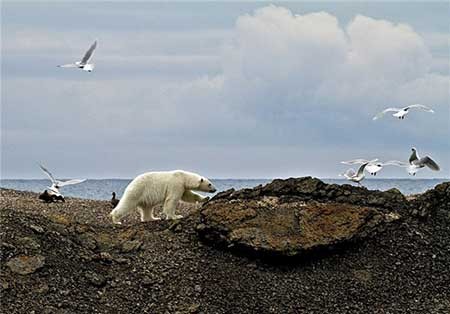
(191, 197)
(169, 208)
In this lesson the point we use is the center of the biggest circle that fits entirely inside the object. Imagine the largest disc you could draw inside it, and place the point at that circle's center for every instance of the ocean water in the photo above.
(102, 189)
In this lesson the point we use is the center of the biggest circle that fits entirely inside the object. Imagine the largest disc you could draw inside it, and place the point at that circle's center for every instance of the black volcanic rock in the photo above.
(308, 188)
(433, 200)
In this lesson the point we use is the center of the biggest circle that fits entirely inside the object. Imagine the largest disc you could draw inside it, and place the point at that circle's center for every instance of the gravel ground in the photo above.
(74, 260)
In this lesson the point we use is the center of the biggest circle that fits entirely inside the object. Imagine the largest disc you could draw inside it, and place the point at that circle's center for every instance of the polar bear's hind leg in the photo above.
(152, 214)
(169, 209)
(147, 213)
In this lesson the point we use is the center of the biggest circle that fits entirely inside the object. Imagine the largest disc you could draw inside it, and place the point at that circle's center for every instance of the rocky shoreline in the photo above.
(389, 254)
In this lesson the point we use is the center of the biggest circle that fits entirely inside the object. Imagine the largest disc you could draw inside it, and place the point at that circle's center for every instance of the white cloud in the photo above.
(292, 60)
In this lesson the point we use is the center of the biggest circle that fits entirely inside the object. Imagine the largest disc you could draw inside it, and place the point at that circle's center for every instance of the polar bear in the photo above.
(165, 187)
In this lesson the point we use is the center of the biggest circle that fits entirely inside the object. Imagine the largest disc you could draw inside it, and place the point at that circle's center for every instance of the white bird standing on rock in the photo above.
(401, 113)
(373, 166)
(355, 177)
(84, 63)
(57, 184)
(415, 163)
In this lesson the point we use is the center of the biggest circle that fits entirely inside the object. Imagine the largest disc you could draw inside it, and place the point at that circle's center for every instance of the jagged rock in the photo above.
(25, 265)
(289, 217)
(130, 246)
(308, 188)
(37, 229)
(95, 279)
(432, 200)
(28, 243)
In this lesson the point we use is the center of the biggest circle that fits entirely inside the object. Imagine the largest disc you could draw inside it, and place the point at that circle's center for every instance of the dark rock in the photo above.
(433, 200)
(5, 286)
(194, 308)
(308, 188)
(88, 241)
(104, 257)
(130, 246)
(25, 265)
(43, 288)
(28, 243)
(37, 229)
(121, 260)
(198, 288)
(95, 279)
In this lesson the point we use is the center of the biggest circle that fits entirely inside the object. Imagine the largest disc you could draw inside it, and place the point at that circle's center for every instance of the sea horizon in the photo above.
(101, 189)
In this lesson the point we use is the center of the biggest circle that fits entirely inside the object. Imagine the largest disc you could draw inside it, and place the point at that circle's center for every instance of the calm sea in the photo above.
(101, 189)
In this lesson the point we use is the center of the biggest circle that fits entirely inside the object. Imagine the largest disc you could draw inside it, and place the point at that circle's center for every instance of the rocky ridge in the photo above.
(69, 258)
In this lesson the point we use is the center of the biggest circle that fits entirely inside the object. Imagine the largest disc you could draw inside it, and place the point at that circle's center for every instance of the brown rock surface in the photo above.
(25, 265)
(284, 217)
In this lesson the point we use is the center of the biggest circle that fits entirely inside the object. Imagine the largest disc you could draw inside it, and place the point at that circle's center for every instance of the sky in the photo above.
(228, 90)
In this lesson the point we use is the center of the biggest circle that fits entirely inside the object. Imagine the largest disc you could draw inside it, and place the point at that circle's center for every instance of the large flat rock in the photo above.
(290, 217)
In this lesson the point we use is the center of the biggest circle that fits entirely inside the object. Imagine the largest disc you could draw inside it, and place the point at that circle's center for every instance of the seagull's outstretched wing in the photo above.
(361, 169)
(358, 161)
(70, 182)
(396, 163)
(425, 108)
(413, 158)
(348, 174)
(382, 113)
(48, 173)
(430, 163)
(69, 65)
(89, 53)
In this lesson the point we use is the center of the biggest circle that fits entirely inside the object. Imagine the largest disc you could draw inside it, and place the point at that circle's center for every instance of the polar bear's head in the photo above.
(206, 186)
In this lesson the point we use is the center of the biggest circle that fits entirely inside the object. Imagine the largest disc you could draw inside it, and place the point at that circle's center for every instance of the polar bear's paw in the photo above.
(149, 219)
(114, 219)
(174, 217)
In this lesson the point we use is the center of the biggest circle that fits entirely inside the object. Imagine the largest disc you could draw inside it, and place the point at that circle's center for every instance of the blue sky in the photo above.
(229, 90)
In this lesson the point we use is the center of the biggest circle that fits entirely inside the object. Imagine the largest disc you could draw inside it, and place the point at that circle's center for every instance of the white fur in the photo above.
(166, 187)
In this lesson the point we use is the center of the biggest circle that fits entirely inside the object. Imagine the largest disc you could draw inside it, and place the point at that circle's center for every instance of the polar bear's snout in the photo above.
(212, 188)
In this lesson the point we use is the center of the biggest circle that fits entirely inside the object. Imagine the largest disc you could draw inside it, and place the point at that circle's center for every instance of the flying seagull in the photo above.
(415, 163)
(401, 113)
(373, 166)
(84, 63)
(57, 184)
(355, 177)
